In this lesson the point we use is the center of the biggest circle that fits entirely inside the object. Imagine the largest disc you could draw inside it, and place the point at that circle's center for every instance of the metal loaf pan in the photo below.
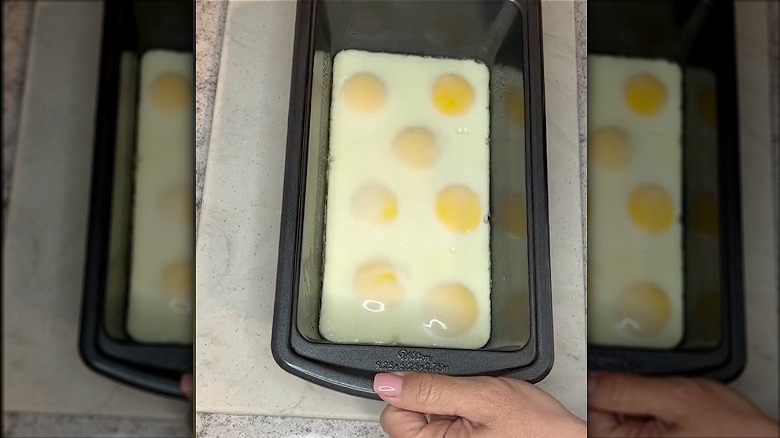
(506, 36)
(128, 28)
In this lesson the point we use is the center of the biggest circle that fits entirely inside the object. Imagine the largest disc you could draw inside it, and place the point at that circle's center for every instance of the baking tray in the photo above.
(128, 28)
(505, 35)
(699, 36)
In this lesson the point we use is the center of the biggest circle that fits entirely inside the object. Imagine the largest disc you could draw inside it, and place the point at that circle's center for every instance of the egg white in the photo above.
(619, 253)
(425, 253)
(163, 159)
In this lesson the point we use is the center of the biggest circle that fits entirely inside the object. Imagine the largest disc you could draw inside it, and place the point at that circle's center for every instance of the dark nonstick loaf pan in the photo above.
(506, 36)
(699, 37)
(129, 30)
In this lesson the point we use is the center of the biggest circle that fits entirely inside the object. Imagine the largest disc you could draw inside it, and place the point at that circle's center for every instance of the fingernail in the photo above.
(591, 383)
(185, 385)
(388, 385)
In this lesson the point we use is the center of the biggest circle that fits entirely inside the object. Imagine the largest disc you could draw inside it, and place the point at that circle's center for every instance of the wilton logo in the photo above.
(412, 356)
(411, 360)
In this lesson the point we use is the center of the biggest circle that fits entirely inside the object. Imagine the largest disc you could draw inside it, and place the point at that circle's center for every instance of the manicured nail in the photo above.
(387, 385)
(591, 383)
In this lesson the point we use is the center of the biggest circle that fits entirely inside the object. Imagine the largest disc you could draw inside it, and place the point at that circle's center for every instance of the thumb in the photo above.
(437, 394)
(636, 395)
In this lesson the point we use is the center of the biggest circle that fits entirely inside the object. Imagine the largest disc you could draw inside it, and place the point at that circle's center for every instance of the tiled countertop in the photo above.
(233, 424)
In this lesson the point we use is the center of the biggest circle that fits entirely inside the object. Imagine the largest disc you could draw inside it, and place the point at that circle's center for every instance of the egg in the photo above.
(452, 95)
(635, 202)
(609, 147)
(416, 148)
(407, 251)
(450, 310)
(161, 286)
(364, 93)
(459, 209)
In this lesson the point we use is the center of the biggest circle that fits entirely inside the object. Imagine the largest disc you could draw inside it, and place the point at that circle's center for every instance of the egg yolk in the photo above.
(516, 106)
(378, 285)
(708, 107)
(458, 208)
(416, 147)
(177, 280)
(171, 92)
(512, 216)
(176, 204)
(375, 204)
(450, 310)
(364, 93)
(651, 208)
(452, 95)
(643, 309)
(610, 148)
(705, 215)
(645, 95)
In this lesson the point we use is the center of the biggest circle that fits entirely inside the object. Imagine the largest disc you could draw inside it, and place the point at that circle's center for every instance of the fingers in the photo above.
(434, 418)
(635, 395)
(400, 423)
(185, 385)
(465, 397)
(601, 424)
(608, 425)
(407, 424)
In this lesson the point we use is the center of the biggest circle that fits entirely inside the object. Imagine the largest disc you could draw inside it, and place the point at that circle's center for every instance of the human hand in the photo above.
(185, 385)
(623, 405)
(470, 407)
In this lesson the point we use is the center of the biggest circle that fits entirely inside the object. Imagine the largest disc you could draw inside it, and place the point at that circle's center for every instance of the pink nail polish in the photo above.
(387, 385)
